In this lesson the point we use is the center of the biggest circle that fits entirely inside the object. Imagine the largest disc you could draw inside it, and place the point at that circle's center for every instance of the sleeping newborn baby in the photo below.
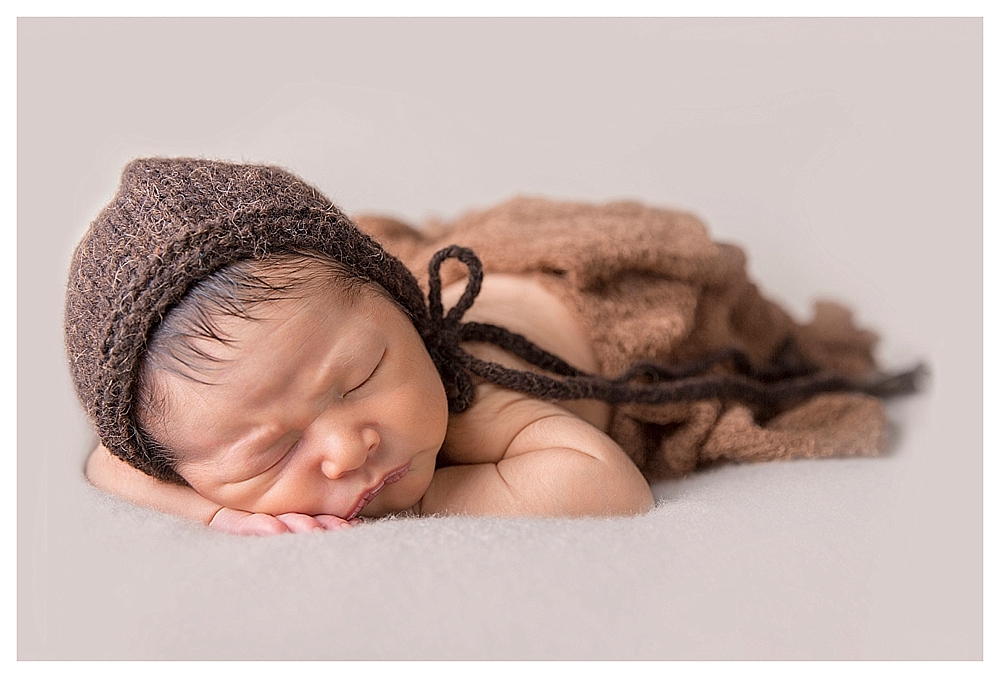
(282, 388)
(254, 361)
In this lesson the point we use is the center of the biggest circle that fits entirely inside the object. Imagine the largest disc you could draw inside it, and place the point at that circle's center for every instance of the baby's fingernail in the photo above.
(334, 524)
(356, 521)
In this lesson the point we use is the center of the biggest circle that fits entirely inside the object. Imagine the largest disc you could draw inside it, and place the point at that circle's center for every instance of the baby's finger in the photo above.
(299, 522)
(240, 522)
(332, 522)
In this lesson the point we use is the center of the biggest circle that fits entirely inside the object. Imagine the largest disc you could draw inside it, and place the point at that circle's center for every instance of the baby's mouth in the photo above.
(369, 495)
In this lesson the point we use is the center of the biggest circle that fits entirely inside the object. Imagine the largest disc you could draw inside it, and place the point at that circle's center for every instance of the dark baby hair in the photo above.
(178, 344)
(233, 291)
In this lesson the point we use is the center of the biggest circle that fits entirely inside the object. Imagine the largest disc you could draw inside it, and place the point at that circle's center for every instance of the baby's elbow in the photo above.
(644, 501)
(598, 477)
(632, 498)
(623, 489)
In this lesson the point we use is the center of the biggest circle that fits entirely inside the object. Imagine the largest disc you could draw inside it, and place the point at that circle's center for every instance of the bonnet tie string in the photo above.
(444, 335)
(786, 379)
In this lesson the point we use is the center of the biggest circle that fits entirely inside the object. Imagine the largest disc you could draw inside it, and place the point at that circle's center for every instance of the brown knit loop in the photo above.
(445, 336)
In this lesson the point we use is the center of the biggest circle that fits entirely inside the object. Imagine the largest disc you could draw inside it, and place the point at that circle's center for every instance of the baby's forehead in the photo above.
(333, 325)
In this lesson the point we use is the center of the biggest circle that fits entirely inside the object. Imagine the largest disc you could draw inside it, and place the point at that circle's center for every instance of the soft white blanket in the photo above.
(846, 156)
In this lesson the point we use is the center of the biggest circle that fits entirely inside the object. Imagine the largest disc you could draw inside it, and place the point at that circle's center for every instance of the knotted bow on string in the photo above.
(786, 379)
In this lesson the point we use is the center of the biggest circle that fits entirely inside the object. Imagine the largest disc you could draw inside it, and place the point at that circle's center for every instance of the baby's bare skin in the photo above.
(509, 454)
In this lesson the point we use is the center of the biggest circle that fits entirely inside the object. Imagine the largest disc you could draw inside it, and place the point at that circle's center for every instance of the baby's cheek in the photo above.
(256, 495)
(236, 496)
(403, 495)
(417, 411)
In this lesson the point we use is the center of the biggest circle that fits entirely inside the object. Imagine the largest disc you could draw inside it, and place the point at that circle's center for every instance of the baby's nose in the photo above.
(369, 440)
(351, 453)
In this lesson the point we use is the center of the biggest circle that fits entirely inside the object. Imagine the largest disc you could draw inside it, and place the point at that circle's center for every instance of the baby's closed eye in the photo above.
(371, 376)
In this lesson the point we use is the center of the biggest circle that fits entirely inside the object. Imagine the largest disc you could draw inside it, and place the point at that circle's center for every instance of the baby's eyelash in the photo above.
(369, 377)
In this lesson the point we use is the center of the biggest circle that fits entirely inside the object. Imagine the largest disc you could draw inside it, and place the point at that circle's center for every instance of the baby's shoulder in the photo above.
(522, 304)
(498, 416)
(484, 432)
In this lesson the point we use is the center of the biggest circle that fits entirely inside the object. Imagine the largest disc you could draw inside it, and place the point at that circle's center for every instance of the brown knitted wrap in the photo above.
(172, 223)
(649, 284)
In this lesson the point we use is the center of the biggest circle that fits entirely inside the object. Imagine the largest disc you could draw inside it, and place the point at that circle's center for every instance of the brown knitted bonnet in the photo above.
(172, 223)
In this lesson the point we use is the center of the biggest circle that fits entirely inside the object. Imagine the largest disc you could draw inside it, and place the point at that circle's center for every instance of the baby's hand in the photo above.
(234, 521)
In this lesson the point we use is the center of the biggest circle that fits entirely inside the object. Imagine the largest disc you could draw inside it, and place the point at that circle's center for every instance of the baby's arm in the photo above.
(109, 473)
(515, 455)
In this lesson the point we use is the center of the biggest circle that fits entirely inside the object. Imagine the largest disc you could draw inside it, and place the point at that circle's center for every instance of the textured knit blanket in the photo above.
(650, 284)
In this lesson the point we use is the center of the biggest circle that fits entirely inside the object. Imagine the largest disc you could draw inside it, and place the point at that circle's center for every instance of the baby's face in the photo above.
(326, 405)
